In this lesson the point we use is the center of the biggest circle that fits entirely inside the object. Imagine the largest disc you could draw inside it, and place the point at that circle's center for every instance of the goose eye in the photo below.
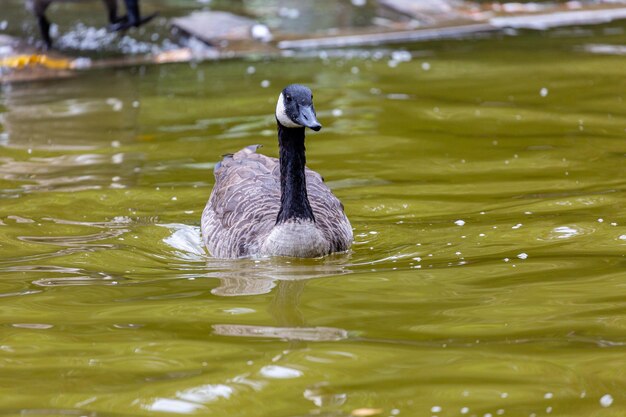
(288, 98)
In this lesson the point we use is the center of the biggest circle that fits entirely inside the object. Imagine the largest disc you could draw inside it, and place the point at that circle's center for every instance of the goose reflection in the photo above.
(286, 277)
(288, 282)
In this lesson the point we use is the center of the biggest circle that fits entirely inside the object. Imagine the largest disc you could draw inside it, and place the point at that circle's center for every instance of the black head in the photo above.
(295, 108)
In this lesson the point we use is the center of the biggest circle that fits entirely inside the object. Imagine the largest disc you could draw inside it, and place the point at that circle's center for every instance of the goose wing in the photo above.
(243, 205)
(330, 217)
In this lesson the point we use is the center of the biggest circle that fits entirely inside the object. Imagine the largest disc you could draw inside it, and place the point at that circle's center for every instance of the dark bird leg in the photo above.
(111, 6)
(133, 17)
(132, 10)
(40, 7)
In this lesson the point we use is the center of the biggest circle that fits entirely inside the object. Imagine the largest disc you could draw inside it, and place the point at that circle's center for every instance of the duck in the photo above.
(132, 18)
(264, 207)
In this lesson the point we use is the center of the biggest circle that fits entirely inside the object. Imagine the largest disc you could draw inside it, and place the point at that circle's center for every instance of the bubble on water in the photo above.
(394, 412)
(464, 410)
(622, 237)
(4, 24)
(337, 112)
(504, 395)
(506, 259)
(206, 393)
(265, 83)
(81, 63)
(280, 372)
(517, 226)
(543, 92)
(500, 411)
(522, 255)
(261, 32)
(548, 395)
(425, 66)
(435, 409)
(173, 406)
(37, 326)
(359, 3)
(606, 400)
(401, 56)
(565, 232)
(250, 70)
(548, 410)
(459, 222)
(600, 220)
(115, 103)
(354, 70)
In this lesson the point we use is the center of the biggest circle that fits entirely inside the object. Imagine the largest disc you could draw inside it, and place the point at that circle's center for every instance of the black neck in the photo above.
(294, 203)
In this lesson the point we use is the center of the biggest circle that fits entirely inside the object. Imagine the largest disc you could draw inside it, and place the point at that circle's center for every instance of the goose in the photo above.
(262, 206)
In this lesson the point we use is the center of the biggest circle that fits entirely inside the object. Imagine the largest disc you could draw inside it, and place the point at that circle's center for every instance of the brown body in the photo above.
(240, 218)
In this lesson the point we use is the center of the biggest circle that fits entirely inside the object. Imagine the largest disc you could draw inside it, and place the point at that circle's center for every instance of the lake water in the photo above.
(485, 180)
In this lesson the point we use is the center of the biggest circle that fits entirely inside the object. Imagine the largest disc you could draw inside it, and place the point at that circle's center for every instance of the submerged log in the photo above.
(368, 39)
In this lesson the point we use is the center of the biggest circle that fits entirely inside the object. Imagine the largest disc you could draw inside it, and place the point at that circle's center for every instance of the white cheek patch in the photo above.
(281, 114)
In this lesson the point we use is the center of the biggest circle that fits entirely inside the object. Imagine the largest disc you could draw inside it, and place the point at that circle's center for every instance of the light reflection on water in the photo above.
(481, 281)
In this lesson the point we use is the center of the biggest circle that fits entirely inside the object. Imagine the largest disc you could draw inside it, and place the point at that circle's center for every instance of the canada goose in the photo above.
(132, 17)
(263, 206)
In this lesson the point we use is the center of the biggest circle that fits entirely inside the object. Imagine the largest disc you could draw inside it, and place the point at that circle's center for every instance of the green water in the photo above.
(109, 307)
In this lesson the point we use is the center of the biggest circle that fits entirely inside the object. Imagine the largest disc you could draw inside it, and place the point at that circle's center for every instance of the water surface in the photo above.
(485, 183)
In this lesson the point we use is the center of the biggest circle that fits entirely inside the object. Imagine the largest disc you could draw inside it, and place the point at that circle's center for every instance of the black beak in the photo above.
(307, 118)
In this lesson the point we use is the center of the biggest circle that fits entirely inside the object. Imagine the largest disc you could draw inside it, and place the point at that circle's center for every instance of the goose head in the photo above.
(295, 108)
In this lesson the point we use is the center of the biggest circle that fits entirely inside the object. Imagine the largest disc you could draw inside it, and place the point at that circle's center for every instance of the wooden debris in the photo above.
(217, 27)
(387, 37)
(566, 18)
(427, 11)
